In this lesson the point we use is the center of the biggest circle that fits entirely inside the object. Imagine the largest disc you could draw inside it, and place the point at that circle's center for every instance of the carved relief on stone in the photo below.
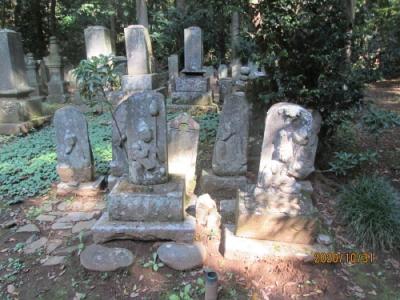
(147, 139)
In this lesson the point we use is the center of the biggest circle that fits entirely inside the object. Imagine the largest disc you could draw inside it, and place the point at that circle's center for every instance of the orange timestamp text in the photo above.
(343, 257)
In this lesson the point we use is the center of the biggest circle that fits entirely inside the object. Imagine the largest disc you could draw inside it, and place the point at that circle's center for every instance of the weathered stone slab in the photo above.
(193, 50)
(225, 88)
(138, 50)
(98, 41)
(74, 153)
(192, 98)
(147, 139)
(230, 150)
(182, 257)
(192, 109)
(183, 140)
(240, 249)
(104, 259)
(192, 84)
(119, 163)
(222, 71)
(31, 73)
(160, 202)
(221, 186)
(142, 82)
(13, 78)
(56, 85)
(28, 228)
(36, 245)
(173, 71)
(227, 210)
(13, 111)
(106, 230)
(266, 223)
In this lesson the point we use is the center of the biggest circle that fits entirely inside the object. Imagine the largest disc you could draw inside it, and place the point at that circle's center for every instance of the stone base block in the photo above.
(141, 82)
(257, 222)
(192, 84)
(192, 109)
(57, 98)
(106, 230)
(227, 210)
(159, 202)
(192, 98)
(84, 189)
(18, 110)
(22, 127)
(69, 174)
(239, 248)
(221, 186)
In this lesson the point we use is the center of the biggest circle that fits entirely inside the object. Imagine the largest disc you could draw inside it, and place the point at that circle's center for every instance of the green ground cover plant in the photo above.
(370, 208)
(28, 163)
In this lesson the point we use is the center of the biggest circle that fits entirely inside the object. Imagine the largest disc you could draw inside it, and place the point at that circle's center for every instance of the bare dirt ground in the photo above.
(23, 276)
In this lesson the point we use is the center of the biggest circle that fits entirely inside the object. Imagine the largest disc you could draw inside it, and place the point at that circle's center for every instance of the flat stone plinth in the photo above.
(192, 98)
(192, 109)
(221, 186)
(239, 248)
(22, 127)
(141, 82)
(192, 84)
(84, 189)
(159, 202)
(257, 222)
(106, 230)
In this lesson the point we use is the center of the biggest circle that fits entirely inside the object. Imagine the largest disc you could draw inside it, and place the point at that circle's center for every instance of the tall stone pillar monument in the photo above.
(18, 111)
(98, 41)
(56, 84)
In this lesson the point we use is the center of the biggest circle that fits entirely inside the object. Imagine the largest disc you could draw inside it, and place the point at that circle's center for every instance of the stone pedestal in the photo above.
(31, 72)
(192, 90)
(98, 41)
(131, 83)
(173, 72)
(221, 187)
(18, 111)
(56, 85)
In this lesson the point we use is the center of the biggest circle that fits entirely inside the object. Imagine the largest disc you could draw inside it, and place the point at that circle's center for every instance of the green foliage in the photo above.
(153, 263)
(302, 45)
(208, 126)
(33, 212)
(189, 291)
(345, 162)
(28, 163)
(377, 120)
(97, 76)
(345, 136)
(370, 208)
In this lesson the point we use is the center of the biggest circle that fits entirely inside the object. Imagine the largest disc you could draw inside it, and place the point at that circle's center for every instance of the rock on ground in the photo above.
(54, 260)
(31, 248)
(99, 258)
(181, 256)
(28, 228)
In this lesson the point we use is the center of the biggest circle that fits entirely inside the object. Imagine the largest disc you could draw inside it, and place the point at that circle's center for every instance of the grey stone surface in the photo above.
(225, 88)
(119, 163)
(74, 153)
(56, 85)
(241, 249)
(13, 79)
(182, 257)
(82, 226)
(141, 13)
(193, 50)
(173, 70)
(138, 50)
(160, 202)
(106, 230)
(230, 150)
(227, 210)
(192, 98)
(147, 139)
(222, 71)
(192, 84)
(54, 261)
(324, 239)
(204, 206)
(31, 73)
(28, 228)
(45, 218)
(77, 216)
(183, 140)
(103, 259)
(53, 245)
(36, 245)
(141, 82)
(221, 186)
(98, 41)
(280, 208)
(61, 226)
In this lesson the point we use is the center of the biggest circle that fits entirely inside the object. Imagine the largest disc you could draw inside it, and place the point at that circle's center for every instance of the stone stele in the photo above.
(183, 140)
(279, 207)
(230, 150)
(98, 41)
(74, 153)
(147, 139)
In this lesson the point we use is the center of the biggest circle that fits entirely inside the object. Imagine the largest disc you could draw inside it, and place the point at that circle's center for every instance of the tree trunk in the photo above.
(53, 17)
(113, 26)
(181, 5)
(141, 13)
(349, 8)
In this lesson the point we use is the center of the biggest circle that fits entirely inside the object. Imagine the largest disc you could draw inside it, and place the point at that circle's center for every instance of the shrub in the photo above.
(377, 120)
(370, 208)
(345, 162)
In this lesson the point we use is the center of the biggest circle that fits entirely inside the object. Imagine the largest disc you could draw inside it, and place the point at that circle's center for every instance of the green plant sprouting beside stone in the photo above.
(13, 267)
(208, 126)
(153, 263)
(33, 212)
(345, 162)
(376, 120)
(19, 247)
(189, 291)
(81, 244)
(345, 136)
(370, 208)
(28, 163)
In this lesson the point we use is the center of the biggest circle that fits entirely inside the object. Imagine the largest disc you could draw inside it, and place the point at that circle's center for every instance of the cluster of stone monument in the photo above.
(153, 167)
